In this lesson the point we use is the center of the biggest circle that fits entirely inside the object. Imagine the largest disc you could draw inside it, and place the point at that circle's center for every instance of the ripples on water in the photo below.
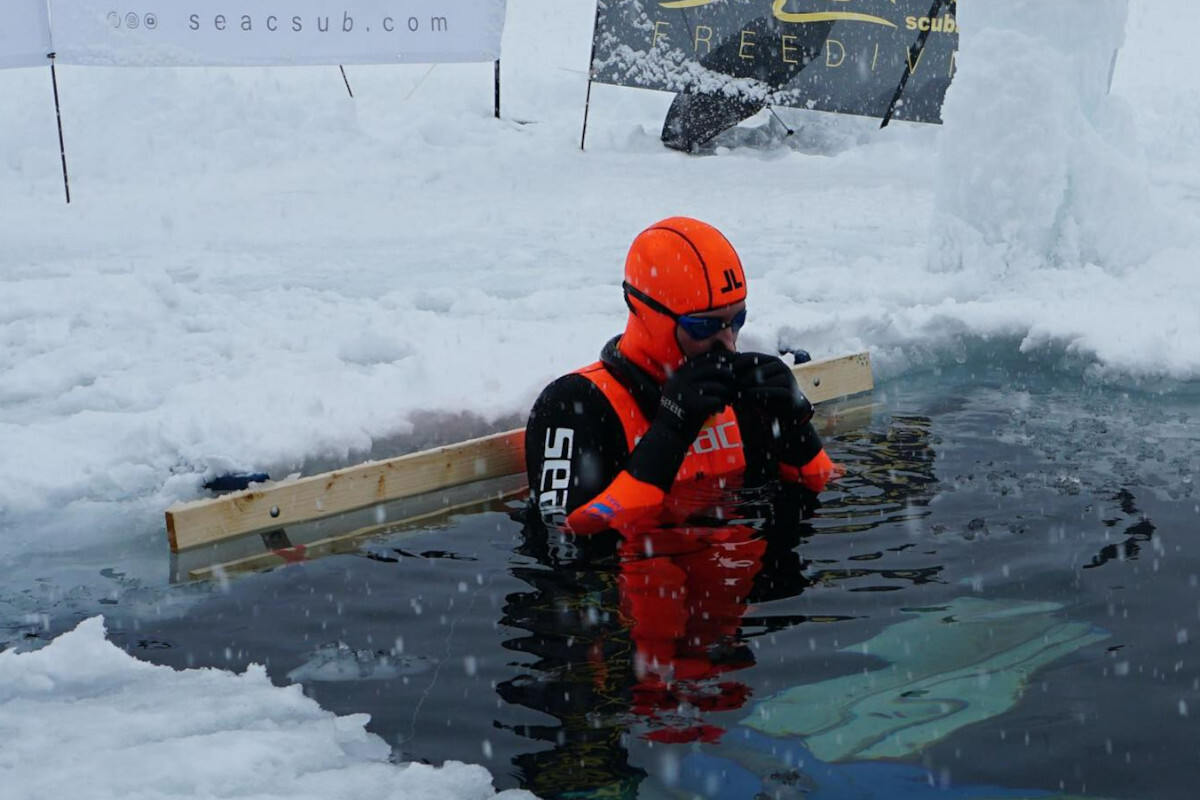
(998, 599)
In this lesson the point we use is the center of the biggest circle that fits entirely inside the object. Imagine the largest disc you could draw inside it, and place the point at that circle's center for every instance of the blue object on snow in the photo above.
(236, 481)
(801, 356)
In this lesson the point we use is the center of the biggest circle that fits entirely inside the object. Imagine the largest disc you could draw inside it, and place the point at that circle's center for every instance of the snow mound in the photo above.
(82, 713)
(1037, 165)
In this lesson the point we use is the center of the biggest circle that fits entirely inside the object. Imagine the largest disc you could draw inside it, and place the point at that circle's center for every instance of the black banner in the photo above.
(846, 56)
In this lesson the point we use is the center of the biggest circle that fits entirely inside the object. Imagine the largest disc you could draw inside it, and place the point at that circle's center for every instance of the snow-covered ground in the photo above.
(258, 271)
(81, 718)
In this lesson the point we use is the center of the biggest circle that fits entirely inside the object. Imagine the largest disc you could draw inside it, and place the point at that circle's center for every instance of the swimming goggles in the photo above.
(699, 328)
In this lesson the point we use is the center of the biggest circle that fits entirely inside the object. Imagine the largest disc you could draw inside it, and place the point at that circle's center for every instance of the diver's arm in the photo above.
(638, 489)
(701, 387)
(581, 473)
(775, 419)
(803, 459)
(574, 447)
(584, 469)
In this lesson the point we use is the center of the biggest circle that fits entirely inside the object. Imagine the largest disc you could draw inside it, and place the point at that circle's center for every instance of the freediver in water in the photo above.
(635, 459)
(671, 409)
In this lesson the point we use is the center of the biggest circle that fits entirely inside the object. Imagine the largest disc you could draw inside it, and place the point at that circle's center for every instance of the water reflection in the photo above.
(581, 677)
(649, 636)
(889, 476)
(1137, 533)
(639, 636)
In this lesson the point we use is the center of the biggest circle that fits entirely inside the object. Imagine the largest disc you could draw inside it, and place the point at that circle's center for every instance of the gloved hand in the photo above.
(767, 384)
(772, 412)
(703, 386)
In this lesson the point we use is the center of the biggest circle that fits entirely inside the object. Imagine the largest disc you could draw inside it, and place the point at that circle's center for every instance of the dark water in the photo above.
(1037, 535)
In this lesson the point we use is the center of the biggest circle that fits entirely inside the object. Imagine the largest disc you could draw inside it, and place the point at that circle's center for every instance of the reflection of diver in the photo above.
(683, 605)
(641, 636)
(696, 116)
(581, 675)
(684, 591)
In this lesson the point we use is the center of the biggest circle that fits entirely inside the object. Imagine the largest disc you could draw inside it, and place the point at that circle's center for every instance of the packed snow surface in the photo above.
(258, 272)
(81, 718)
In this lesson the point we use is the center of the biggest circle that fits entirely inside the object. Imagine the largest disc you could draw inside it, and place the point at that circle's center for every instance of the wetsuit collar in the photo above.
(645, 390)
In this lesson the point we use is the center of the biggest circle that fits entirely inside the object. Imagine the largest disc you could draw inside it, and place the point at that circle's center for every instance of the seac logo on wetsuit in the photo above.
(556, 471)
(716, 437)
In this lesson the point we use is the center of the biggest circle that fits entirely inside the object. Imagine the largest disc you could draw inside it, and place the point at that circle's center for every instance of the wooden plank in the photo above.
(340, 543)
(281, 504)
(832, 378)
(834, 419)
(277, 505)
(307, 534)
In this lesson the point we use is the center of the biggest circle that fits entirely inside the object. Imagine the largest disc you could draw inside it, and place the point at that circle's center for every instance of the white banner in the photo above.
(275, 32)
(24, 33)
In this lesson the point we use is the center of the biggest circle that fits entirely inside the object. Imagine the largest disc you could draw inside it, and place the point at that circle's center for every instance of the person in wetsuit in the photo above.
(671, 406)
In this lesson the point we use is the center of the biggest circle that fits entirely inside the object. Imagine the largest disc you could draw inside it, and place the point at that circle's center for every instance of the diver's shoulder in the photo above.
(573, 393)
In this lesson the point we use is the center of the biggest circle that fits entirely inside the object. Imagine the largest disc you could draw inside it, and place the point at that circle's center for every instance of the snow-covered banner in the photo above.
(846, 56)
(275, 32)
(24, 33)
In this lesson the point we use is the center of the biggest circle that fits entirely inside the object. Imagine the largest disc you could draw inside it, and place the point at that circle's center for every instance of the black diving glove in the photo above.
(773, 414)
(701, 387)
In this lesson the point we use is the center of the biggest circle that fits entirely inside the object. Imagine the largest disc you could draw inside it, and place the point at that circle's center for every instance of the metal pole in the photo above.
(914, 52)
(587, 104)
(591, 60)
(62, 148)
(780, 121)
(345, 80)
(497, 88)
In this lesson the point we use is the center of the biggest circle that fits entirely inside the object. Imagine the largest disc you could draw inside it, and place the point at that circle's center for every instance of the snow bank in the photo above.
(82, 716)
(1035, 167)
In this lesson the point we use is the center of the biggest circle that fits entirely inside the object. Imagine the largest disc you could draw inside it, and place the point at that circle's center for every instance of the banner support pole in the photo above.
(346, 80)
(786, 127)
(914, 51)
(587, 102)
(62, 148)
(497, 88)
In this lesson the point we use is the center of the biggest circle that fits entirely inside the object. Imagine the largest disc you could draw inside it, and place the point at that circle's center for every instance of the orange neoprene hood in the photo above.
(689, 267)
